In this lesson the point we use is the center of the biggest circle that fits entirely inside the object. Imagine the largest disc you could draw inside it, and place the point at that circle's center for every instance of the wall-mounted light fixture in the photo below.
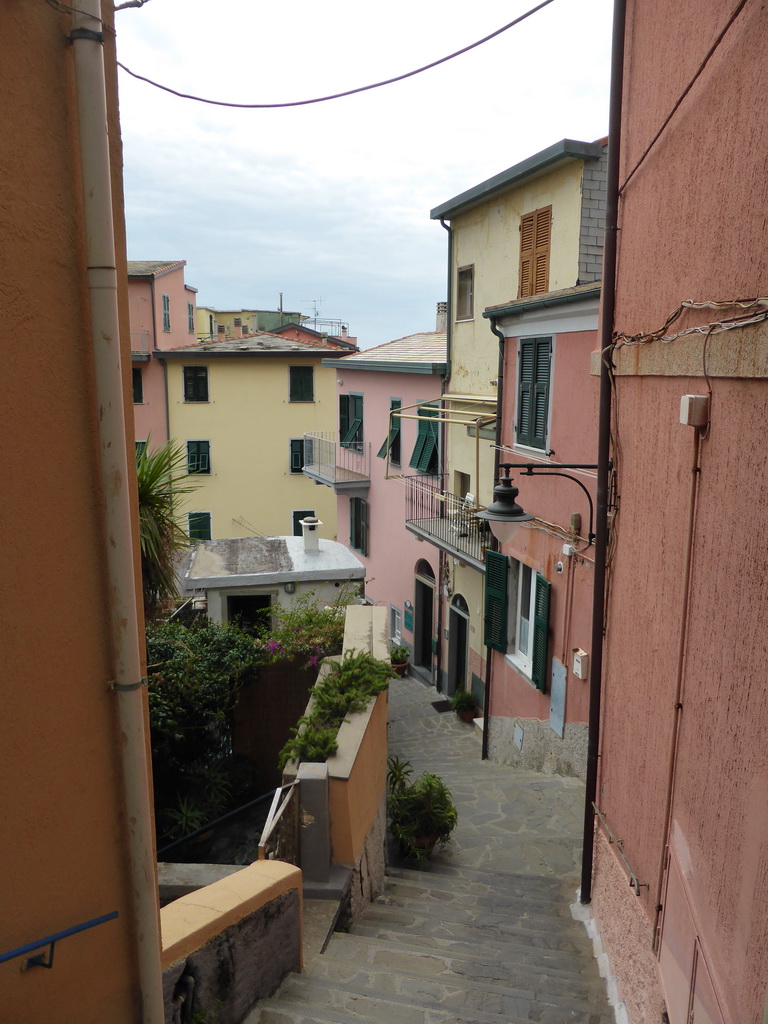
(505, 515)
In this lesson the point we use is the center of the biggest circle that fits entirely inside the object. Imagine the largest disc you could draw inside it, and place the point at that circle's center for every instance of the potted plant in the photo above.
(422, 813)
(464, 703)
(398, 656)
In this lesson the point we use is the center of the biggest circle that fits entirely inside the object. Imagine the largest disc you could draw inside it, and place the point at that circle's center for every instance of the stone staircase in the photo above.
(484, 934)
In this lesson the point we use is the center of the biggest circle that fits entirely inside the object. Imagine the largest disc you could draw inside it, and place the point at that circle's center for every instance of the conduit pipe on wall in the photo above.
(494, 543)
(90, 84)
(608, 292)
(678, 705)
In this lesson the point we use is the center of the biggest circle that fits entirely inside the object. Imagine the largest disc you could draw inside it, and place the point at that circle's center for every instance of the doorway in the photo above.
(458, 635)
(423, 618)
(250, 611)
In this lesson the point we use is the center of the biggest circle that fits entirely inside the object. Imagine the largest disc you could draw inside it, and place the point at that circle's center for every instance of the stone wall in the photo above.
(541, 749)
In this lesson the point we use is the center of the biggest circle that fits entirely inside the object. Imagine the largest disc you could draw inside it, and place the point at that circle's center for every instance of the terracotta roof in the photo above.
(253, 344)
(427, 347)
(153, 268)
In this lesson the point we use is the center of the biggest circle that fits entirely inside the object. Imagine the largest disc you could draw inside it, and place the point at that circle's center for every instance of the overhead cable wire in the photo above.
(348, 92)
(739, 7)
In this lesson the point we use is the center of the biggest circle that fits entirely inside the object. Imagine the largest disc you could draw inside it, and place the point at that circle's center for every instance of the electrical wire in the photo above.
(337, 95)
(753, 316)
(739, 7)
(63, 8)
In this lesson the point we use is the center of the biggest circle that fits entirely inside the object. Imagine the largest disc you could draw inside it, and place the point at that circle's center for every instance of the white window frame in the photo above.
(520, 640)
(395, 624)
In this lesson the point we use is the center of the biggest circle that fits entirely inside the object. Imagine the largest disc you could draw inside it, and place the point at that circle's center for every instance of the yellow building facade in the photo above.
(526, 231)
(240, 410)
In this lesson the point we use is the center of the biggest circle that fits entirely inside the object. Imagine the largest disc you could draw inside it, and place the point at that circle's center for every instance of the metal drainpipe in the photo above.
(442, 557)
(494, 543)
(608, 292)
(90, 85)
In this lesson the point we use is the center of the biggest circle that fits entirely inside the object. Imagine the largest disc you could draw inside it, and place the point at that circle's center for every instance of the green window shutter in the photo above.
(540, 668)
(199, 527)
(138, 385)
(302, 385)
(424, 458)
(141, 448)
(363, 526)
(392, 443)
(533, 391)
(166, 313)
(298, 515)
(190, 318)
(195, 383)
(198, 457)
(496, 600)
(297, 454)
(358, 525)
(351, 421)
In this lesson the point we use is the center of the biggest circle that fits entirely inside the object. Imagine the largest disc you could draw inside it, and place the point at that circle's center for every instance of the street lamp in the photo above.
(504, 515)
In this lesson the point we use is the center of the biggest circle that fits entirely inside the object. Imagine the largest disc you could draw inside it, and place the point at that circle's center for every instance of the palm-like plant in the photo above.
(159, 474)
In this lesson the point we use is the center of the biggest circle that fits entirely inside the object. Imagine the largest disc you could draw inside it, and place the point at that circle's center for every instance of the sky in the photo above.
(329, 203)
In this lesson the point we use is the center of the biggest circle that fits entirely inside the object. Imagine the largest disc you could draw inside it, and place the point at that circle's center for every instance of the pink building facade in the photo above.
(401, 571)
(539, 696)
(681, 855)
(162, 310)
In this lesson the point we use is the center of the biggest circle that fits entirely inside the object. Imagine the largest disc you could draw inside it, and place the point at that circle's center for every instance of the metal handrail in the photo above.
(275, 814)
(51, 940)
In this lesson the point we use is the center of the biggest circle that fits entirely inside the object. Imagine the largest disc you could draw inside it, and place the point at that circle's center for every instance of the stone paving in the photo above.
(484, 934)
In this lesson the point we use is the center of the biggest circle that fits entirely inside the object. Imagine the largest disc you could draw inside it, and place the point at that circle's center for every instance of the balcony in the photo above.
(141, 341)
(344, 467)
(446, 520)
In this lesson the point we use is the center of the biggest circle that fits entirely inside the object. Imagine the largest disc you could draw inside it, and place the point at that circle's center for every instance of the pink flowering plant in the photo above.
(306, 631)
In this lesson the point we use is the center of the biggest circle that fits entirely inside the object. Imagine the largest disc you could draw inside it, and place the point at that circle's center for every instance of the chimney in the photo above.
(238, 332)
(343, 331)
(220, 332)
(309, 528)
(441, 323)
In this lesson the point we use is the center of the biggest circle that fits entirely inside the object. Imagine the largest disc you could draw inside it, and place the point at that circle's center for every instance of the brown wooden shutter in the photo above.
(535, 232)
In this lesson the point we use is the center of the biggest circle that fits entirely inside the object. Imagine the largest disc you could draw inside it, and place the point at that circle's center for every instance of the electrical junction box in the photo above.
(580, 663)
(694, 410)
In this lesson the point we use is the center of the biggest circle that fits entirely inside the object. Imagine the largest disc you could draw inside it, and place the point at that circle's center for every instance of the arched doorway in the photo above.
(423, 617)
(458, 641)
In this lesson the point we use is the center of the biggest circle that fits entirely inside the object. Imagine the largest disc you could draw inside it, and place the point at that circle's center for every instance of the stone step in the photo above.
(404, 893)
(493, 956)
(308, 1003)
(444, 876)
(382, 920)
(388, 963)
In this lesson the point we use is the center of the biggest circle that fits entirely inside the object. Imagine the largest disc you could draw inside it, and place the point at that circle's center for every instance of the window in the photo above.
(393, 440)
(297, 516)
(358, 525)
(395, 624)
(296, 463)
(199, 525)
(535, 230)
(465, 293)
(351, 421)
(141, 447)
(166, 313)
(534, 358)
(191, 317)
(517, 615)
(302, 383)
(195, 383)
(425, 452)
(198, 456)
(138, 385)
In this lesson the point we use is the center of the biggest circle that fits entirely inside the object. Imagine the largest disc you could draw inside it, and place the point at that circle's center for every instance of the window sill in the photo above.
(522, 668)
(464, 319)
(541, 453)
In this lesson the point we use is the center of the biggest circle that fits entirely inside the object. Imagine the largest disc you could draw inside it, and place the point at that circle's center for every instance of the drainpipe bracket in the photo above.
(86, 33)
(127, 687)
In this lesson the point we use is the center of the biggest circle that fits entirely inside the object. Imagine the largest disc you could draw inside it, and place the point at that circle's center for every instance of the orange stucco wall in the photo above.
(354, 801)
(62, 859)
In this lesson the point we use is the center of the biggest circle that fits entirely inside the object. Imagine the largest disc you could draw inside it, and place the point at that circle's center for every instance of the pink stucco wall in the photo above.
(392, 551)
(692, 225)
(145, 305)
(573, 439)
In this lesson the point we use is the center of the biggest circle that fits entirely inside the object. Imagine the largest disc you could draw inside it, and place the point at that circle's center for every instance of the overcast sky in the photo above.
(329, 203)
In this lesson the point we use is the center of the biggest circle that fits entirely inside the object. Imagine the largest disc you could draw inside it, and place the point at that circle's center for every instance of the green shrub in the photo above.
(348, 688)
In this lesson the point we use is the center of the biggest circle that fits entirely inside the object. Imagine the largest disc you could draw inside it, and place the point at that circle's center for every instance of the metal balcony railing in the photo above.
(448, 520)
(343, 466)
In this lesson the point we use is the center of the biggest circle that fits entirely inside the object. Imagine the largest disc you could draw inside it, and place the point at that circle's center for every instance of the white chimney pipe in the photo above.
(309, 528)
